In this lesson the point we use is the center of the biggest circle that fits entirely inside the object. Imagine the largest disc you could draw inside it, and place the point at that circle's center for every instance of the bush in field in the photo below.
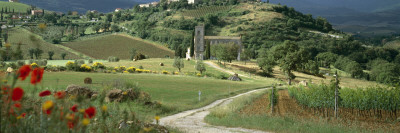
(79, 62)
(85, 68)
(140, 56)
(131, 69)
(113, 59)
(63, 55)
(50, 53)
(71, 65)
(200, 66)
(98, 65)
(178, 63)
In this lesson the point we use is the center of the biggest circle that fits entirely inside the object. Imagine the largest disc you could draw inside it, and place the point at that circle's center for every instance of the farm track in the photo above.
(222, 69)
(192, 121)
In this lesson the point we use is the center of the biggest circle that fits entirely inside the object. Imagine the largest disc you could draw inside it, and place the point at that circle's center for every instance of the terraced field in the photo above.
(118, 45)
(199, 12)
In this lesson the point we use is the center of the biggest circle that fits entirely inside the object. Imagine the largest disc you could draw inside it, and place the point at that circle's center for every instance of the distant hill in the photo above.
(18, 7)
(80, 5)
(363, 17)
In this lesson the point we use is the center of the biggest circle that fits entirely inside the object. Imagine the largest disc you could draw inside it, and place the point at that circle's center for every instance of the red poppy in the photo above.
(17, 105)
(23, 115)
(17, 94)
(74, 108)
(37, 75)
(90, 112)
(45, 93)
(48, 111)
(70, 124)
(59, 95)
(24, 71)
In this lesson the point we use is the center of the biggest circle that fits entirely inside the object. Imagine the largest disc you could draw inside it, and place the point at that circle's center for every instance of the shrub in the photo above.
(98, 65)
(71, 65)
(113, 59)
(79, 62)
(165, 72)
(20, 63)
(85, 68)
(131, 69)
(140, 56)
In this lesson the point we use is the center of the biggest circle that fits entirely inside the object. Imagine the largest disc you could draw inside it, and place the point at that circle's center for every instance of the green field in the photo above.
(117, 45)
(23, 36)
(18, 7)
(178, 93)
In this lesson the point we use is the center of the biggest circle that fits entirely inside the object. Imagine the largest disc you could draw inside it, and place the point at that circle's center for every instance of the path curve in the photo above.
(222, 69)
(192, 121)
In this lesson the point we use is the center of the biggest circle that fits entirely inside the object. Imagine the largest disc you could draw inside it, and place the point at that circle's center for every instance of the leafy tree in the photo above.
(178, 63)
(311, 67)
(354, 69)
(31, 52)
(246, 55)
(18, 53)
(109, 17)
(326, 59)
(50, 53)
(96, 28)
(266, 61)
(288, 56)
(133, 53)
(225, 51)
(115, 28)
(38, 53)
(386, 73)
(200, 66)
(63, 55)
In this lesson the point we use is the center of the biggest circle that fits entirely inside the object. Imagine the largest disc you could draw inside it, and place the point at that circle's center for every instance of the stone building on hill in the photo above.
(200, 41)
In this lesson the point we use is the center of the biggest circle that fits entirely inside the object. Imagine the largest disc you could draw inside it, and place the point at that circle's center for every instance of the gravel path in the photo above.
(222, 69)
(192, 121)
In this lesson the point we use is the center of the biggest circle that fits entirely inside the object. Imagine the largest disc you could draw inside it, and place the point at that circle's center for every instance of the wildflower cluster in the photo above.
(165, 72)
(98, 65)
(17, 107)
(85, 68)
(34, 65)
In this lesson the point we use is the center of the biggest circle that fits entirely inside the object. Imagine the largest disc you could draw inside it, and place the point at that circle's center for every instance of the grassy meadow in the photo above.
(23, 36)
(345, 79)
(117, 45)
(176, 92)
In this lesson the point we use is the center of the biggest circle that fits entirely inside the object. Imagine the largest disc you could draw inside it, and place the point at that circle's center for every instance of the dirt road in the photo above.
(192, 121)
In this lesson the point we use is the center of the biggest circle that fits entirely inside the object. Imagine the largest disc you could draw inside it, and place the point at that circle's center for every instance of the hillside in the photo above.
(80, 5)
(362, 17)
(118, 45)
(18, 35)
(18, 7)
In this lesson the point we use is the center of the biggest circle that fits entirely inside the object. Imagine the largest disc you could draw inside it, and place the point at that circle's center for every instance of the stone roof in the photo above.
(222, 37)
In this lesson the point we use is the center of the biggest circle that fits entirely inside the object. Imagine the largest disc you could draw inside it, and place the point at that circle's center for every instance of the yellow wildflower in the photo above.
(124, 93)
(147, 129)
(157, 118)
(85, 122)
(104, 108)
(47, 105)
